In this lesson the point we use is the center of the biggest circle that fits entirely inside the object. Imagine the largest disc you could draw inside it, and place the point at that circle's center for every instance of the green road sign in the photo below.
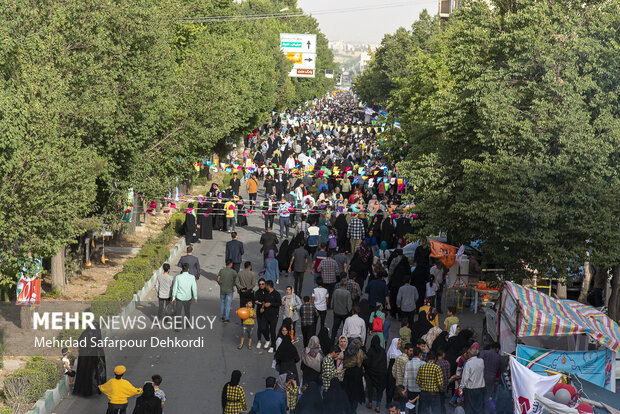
(291, 44)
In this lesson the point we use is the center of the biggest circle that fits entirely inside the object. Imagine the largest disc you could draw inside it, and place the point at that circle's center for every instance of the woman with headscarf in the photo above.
(335, 399)
(343, 343)
(387, 231)
(233, 396)
(283, 259)
(377, 313)
(457, 345)
(383, 254)
(361, 264)
(401, 274)
(291, 304)
(418, 279)
(311, 358)
(310, 401)
(431, 336)
(325, 340)
(91, 367)
(441, 342)
(148, 403)
(286, 329)
(242, 219)
(391, 355)
(364, 312)
(420, 327)
(219, 213)
(272, 270)
(205, 221)
(287, 357)
(375, 366)
(190, 225)
(352, 380)
(342, 227)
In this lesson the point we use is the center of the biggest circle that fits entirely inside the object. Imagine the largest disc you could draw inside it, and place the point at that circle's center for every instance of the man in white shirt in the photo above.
(319, 298)
(438, 272)
(354, 326)
(472, 381)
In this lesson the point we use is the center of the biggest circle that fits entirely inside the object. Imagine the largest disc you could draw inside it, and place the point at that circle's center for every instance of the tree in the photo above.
(511, 126)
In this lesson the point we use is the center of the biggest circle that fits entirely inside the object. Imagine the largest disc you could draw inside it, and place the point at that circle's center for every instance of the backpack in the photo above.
(377, 324)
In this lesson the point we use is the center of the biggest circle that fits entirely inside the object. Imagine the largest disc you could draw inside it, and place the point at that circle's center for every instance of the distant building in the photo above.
(364, 60)
(447, 6)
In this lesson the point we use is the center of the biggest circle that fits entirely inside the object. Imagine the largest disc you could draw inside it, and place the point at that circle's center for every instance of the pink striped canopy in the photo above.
(542, 315)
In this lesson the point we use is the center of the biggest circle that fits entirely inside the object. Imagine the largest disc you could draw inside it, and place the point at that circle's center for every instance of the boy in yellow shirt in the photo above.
(118, 390)
(247, 326)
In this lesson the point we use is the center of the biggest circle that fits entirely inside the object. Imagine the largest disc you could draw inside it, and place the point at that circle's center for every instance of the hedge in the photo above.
(137, 271)
(24, 386)
(49, 370)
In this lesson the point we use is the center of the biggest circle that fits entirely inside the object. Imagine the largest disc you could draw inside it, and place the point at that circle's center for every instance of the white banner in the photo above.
(553, 407)
(526, 384)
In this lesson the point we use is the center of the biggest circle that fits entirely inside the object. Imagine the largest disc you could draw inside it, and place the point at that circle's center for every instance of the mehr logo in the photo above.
(63, 320)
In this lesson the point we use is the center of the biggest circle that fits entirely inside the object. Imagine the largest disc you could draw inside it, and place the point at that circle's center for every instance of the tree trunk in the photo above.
(614, 299)
(587, 278)
(146, 215)
(561, 290)
(58, 271)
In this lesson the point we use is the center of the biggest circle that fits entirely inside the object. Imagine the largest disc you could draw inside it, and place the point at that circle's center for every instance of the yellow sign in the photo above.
(294, 57)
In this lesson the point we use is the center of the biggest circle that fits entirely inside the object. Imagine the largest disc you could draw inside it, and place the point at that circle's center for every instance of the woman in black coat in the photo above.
(205, 221)
(147, 403)
(190, 225)
(287, 357)
(375, 367)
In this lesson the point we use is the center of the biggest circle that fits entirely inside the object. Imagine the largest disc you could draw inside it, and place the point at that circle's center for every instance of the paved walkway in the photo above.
(193, 378)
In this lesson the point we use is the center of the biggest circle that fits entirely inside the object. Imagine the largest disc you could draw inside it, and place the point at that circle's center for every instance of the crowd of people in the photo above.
(343, 215)
(342, 219)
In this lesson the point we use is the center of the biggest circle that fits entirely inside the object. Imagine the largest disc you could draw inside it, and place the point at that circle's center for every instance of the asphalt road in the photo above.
(193, 377)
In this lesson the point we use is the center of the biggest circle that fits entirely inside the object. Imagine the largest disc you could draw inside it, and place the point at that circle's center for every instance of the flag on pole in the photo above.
(444, 252)
(526, 384)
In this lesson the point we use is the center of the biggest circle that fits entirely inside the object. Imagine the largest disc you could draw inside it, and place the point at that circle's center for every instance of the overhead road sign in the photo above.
(297, 42)
(301, 50)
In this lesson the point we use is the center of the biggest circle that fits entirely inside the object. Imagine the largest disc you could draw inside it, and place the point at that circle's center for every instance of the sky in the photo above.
(339, 19)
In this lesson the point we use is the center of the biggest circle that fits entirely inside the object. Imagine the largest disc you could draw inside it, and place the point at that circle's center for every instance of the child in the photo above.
(247, 326)
(332, 240)
(159, 393)
(431, 290)
(404, 333)
(67, 366)
(450, 319)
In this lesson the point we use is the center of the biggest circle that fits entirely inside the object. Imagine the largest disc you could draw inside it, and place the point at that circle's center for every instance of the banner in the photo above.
(29, 284)
(592, 366)
(444, 252)
(551, 407)
(526, 384)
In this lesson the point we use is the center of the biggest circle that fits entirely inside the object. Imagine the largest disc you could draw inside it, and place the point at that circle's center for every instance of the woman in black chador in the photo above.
(91, 369)
(204, 220)
(191, 235)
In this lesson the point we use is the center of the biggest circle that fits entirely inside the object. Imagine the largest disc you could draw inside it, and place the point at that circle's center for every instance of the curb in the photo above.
(50, 400)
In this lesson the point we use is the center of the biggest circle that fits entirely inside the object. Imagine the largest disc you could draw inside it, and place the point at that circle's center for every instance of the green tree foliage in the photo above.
(511, 125)
(98, 97)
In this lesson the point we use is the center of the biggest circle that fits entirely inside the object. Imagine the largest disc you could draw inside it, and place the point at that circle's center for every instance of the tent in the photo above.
(532, 318)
